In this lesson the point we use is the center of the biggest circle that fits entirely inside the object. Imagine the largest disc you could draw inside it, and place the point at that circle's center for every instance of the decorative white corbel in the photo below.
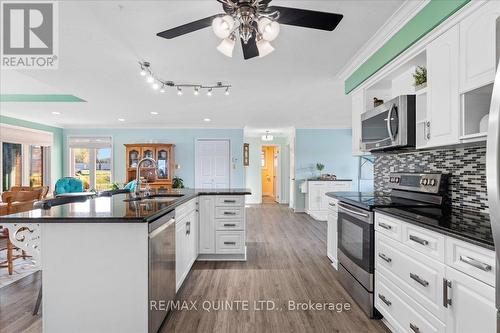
(26, 236)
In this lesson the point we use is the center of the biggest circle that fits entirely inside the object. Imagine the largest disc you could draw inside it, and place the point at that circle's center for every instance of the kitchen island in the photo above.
(97, 259)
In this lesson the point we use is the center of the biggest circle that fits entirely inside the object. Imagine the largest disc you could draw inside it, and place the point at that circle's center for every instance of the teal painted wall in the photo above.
(331, 147)
(184, 140)
(57, 149)
(427, 19)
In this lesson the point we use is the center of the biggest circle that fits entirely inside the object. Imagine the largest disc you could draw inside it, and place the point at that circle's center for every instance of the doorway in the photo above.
(270, 162)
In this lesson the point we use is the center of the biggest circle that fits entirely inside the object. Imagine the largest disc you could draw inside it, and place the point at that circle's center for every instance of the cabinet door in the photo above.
(315, 192)
(192, 238)
(324, 199)
(472, 306)
(148, 152)
(331, 237)
(133, 156)
(206, 224)
(442, 83)
(478, 33)
(358, 101)
(180, 253)
(163, 160)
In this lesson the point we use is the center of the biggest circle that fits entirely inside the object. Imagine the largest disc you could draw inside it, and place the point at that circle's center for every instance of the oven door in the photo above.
(356, 242)
(380, 127)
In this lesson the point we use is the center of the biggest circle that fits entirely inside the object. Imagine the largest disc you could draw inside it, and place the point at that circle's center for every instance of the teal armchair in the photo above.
(68, 185)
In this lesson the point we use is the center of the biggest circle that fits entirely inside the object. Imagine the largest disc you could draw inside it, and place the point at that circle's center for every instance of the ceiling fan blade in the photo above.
(250, 49)
(307, 18)
(187, 28)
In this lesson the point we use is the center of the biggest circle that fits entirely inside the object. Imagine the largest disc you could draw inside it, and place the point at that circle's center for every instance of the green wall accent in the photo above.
(39, 98)
(433, 14)
(57, 150)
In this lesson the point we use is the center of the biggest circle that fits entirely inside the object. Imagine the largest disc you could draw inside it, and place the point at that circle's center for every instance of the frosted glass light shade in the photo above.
(264, 48)
(268, 29)
(222, 26)
(226, 47)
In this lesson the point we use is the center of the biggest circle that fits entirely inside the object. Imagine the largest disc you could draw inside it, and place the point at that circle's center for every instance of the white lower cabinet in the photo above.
(186, 240)
(429, 282)
(222, 227)
(331, 234)
(472, 307)
(316, 199)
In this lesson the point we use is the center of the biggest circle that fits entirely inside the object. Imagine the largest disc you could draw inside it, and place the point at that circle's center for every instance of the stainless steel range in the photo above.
(356, 234)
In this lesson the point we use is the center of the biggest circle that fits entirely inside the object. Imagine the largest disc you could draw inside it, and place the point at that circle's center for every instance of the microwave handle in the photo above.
(389, 129)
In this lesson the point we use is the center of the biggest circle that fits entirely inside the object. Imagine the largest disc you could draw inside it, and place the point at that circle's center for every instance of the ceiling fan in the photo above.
(256, 23)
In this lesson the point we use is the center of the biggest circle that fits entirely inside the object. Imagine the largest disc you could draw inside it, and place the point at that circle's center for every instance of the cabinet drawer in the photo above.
(230, 241)
(424, 241)
(418, 276)
(401, 311)
(229, 212)
(340, 186)
(229, 224)
(388, 226)
(470, 259)
(232, 200)
(185, 209)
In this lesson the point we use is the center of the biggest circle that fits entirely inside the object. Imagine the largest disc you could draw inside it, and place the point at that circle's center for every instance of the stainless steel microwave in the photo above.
(390, 125)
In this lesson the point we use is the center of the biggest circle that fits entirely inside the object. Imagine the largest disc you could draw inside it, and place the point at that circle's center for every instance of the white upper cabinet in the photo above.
(478, 47)
(443, 109)
(358, 108)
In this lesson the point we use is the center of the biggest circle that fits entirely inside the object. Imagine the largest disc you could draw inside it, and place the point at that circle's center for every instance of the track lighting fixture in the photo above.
(161, 85)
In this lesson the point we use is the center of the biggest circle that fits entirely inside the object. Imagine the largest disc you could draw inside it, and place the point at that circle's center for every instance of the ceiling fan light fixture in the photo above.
(226, 47)
(268, 29)
(264, 47)
(223, 26)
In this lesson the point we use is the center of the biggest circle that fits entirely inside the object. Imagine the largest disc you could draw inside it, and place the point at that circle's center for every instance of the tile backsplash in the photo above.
(466, 168)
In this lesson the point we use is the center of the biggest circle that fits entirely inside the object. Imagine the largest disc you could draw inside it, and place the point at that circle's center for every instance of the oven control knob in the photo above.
(421, 181)
(425, 181)
(432, 182)
(391, 180)
(396, 180)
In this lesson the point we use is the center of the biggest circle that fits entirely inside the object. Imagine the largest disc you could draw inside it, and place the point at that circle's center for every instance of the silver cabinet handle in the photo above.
(385, 300)
(419, 240)
(446, 285)
(353, 211)
(419, 279)
(332, 204)
(229, 243)
(188, 228)
(229, 201)
(385, 226)
(414, 328)
(229, 225)
(229, 213)
(384, 257)
(476, 263)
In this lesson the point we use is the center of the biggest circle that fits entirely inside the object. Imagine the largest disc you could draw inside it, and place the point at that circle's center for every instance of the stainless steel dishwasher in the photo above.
(161, 269)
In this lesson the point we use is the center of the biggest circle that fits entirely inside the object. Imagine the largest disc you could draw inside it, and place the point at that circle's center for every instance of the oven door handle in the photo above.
(353, 211)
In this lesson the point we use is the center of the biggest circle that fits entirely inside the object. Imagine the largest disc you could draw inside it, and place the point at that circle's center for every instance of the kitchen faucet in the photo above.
(137, 174)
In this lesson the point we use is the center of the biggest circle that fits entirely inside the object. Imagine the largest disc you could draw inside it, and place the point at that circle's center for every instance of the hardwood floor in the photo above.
(286, 262)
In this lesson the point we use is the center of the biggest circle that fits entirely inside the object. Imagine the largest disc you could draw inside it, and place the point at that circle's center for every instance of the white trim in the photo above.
(421, 45)
(278, 177)
(24, 135)
(401, 16)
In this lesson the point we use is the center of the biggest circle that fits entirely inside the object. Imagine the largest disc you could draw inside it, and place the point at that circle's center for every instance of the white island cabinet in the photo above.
(331, 231)
(426, 281)
(316, 199)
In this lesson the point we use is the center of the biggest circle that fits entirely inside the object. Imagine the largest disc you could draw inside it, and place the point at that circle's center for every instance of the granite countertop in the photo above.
(117, 208)
(472, 227)
(327, 180)
(349, 194)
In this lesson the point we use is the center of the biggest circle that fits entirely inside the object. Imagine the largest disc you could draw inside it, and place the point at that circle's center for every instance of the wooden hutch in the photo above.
(162, 153)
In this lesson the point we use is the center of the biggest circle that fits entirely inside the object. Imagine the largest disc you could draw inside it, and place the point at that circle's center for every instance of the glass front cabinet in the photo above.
(162, 153)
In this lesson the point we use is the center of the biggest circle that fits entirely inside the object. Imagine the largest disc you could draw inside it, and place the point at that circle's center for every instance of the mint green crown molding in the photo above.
(433, 14)
(39, 98)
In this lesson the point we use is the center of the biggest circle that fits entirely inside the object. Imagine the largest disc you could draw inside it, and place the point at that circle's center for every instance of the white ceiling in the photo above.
(102, 41)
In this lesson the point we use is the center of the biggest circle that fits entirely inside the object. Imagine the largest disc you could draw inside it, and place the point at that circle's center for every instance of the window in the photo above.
(12, 165)
(91, 161)
(36, 166)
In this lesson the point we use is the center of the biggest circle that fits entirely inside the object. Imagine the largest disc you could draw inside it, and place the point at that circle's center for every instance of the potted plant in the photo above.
(420, 77)
(320, 168)
(177, 182)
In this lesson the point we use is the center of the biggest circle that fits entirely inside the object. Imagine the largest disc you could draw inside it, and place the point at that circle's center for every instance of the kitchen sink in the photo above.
(156, 197)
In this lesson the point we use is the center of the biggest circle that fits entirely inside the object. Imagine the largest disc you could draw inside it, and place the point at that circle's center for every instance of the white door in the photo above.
(212, 164)
(442, 74)
(472, 306)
